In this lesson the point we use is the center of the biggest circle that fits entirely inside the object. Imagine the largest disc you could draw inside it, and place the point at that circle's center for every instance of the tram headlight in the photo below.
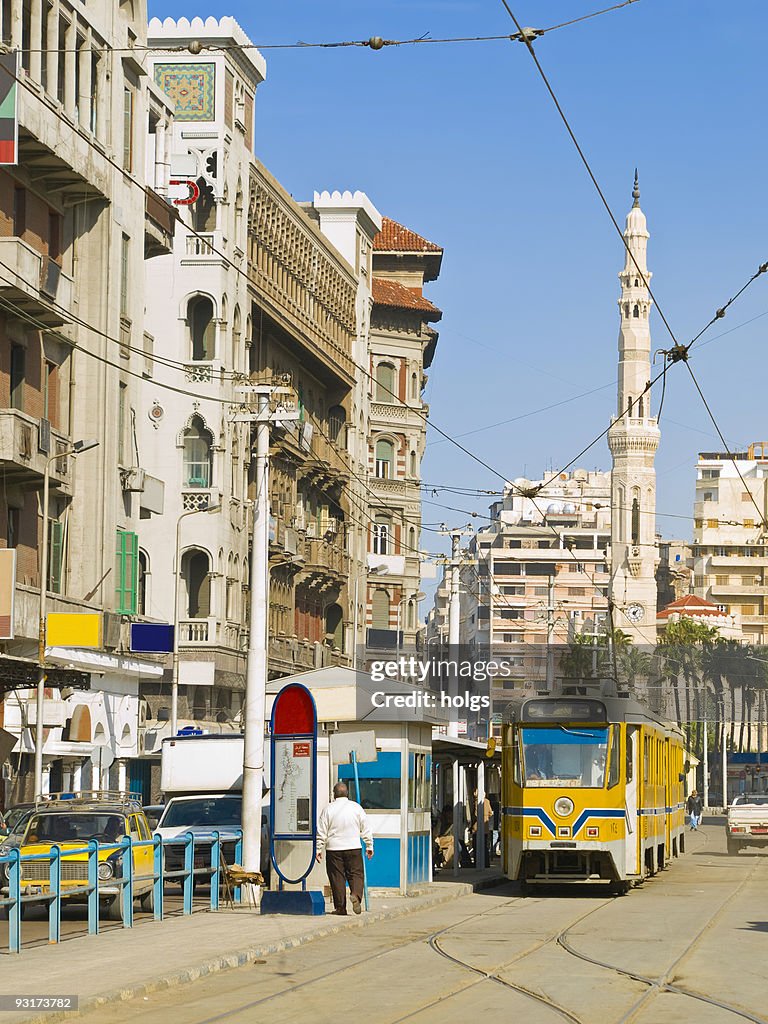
(563, 806)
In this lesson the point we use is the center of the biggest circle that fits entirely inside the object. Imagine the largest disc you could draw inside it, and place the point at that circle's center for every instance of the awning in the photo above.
(98, 661)
(22, 674)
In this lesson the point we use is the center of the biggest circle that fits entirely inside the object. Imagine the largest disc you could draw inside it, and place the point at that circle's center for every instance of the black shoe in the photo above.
(356, 905)
(339, 913)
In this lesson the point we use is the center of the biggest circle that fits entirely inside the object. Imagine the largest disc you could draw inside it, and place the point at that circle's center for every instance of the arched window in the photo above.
(334, 626)
(636, 518)
(237, 337)
(385, 383)
(202, 330)
(141, 604)
(629, 406)
(411, 619)
(636, 311)
(626, 310)
(640, 407)
(385, 460)
(414, 386)
(195, 570)
(197, 454)
(337, 419)
(382, 531)
(413, 463)
(412, 540)
(380, 610)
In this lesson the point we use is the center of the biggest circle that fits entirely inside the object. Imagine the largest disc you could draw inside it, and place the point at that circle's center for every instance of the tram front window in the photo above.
(563, 755)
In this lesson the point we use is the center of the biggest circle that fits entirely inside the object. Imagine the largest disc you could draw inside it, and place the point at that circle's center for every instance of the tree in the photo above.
(681, 647)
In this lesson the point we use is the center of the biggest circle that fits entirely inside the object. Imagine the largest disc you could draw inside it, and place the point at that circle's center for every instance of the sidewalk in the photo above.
(130, 963)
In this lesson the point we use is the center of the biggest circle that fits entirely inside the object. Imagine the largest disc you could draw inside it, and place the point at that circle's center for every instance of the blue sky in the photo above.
(461, 143)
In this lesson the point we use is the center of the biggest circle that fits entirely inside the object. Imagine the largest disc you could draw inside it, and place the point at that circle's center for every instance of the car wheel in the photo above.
(115, 909)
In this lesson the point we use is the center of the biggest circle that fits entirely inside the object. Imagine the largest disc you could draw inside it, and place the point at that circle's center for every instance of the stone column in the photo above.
(161, 177)
(36, 39)
(70, 64)
(84, 99)
(52, 57)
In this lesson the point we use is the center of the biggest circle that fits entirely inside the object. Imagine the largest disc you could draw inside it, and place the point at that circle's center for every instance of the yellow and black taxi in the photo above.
(70, 822)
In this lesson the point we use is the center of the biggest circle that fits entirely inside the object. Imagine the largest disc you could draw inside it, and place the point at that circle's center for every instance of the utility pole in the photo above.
(550, 633)
(256, 659)
(705, 765)
(454, 628)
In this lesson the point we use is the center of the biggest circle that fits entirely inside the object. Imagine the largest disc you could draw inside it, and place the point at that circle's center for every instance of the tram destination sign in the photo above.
(572, 710)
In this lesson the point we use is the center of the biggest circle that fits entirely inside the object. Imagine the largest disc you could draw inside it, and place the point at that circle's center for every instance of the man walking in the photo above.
(342, 825)
(695, 805)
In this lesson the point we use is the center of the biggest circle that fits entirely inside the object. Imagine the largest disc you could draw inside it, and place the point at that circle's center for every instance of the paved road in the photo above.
(687, 946)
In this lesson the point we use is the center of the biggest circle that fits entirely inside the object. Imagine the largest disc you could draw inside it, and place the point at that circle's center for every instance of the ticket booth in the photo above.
(395, 788)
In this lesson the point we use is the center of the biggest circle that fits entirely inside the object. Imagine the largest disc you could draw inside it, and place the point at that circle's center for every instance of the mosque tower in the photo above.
(633, 438)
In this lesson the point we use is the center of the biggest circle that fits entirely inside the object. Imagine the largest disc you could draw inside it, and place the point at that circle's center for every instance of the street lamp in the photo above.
(76, 449)
(176, 575)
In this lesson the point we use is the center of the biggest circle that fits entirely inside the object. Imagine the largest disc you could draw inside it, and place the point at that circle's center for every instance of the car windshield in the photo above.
(67, 827)
(15, 816)
(204, 812)
(562, 755)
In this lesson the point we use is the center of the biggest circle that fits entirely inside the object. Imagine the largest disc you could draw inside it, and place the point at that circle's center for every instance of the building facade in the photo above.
(730, 548)
(402, 346)
(633, 438)
(76, 221)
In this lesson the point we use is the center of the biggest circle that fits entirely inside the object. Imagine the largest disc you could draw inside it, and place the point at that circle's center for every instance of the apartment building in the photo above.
(730, 548)
(76, 223)
(402, 347)
(538, 572)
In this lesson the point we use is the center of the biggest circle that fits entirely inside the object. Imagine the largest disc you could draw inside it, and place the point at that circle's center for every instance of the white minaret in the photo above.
(633, 438)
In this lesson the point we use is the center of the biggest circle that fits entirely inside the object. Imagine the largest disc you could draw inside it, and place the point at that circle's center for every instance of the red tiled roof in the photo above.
(394, 237)
(391, 293)
(689, 605)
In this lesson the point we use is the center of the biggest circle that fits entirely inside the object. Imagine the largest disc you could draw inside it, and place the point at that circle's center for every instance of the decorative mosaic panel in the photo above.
(191, 87)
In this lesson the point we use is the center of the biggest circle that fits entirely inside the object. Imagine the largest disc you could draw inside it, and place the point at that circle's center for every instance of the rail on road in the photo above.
(58, 869)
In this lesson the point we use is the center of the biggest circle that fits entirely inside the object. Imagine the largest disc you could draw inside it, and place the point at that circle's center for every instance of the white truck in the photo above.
(747, 822)
(202, 780)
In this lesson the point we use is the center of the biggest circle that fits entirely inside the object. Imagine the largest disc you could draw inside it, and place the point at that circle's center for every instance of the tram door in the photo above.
(632, 846)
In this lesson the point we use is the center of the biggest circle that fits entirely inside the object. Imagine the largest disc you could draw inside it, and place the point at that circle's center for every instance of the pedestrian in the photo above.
(695, 805)
(487, 829)
(343, 823)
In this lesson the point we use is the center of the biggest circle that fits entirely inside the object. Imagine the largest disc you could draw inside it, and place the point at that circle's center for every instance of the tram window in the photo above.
(565, 756)
(646, 759)
(517, 775)
(613, 765)
(630, 768)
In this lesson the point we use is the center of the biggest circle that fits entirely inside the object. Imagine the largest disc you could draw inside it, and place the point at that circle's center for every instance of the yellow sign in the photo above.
(7, 591)
(73, 630)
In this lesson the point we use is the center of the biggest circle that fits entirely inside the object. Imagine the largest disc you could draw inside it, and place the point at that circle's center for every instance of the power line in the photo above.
(374, 43)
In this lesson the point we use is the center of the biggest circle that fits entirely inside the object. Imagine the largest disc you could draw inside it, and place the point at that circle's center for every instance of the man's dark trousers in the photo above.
(344, 866)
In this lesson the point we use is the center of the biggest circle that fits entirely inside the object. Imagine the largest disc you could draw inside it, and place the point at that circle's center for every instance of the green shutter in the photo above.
(55, 556)
(126, 588)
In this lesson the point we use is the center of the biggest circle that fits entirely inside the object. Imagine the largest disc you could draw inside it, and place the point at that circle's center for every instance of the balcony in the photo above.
(159, 225)
(25, 445)
(197, 631)
(35, 284)
(201, 245)
(204, 371)
(395, 412)
(386, 485)
(288, 654)
(198, 498)
(325, 558)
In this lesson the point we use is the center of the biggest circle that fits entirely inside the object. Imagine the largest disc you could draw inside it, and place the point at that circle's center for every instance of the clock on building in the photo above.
(635, 612)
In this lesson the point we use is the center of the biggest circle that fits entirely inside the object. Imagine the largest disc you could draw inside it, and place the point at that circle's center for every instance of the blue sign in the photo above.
(190, 730)
(151, 637)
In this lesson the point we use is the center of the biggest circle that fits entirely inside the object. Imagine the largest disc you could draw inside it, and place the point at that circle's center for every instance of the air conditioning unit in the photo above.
(141, 743)
(143, 713)
(312, 529)
(112, 622)
(133, 479)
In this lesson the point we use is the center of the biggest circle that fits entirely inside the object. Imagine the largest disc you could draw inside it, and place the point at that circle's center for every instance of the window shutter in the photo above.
(55, 557)
(126, 589)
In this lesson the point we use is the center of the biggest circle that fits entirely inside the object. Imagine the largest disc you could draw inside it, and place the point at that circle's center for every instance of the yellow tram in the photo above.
(592, 791)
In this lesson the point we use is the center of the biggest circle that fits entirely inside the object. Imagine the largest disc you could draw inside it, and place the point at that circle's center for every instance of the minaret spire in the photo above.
(633, 438)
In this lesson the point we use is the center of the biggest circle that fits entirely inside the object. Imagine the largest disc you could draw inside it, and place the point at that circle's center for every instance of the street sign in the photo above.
(151, 637)
(73, 629)
(344, 744)
(293, 796)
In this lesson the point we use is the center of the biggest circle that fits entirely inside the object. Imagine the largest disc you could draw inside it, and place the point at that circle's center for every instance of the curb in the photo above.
(228, 961)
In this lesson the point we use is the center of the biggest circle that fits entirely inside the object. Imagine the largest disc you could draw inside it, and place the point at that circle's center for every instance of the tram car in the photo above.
(592, 791)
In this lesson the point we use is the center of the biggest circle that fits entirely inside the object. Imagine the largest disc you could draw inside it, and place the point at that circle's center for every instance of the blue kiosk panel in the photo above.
(380, 791)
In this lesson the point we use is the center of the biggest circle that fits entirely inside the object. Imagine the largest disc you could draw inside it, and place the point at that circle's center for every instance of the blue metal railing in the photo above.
(122, 862)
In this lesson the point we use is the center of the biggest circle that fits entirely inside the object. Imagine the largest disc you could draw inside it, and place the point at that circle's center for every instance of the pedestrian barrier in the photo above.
(121, 874)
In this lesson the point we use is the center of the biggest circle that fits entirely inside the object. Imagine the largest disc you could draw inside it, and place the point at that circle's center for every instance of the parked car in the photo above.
(202, 814)
(70, 824)
(747, 822)
(154, 813)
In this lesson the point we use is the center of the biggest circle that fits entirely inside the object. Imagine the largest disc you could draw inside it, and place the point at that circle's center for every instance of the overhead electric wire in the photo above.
(374, 42)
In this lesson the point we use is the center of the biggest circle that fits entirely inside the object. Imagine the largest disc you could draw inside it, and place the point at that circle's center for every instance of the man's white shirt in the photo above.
(343, 823)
